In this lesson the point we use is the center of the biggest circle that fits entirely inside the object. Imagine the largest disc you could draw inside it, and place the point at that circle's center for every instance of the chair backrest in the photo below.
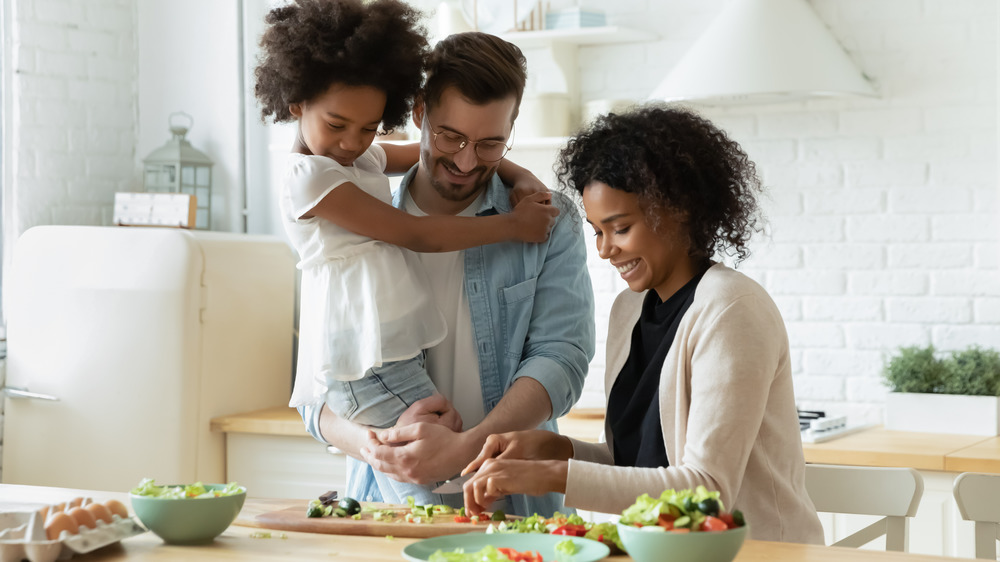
(893, 493)
(978, 499)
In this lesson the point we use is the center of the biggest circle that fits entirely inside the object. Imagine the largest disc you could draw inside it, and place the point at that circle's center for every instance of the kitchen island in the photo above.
(237, 542)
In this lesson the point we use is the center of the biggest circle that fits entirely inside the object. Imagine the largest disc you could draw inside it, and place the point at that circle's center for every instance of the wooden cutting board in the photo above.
(293, 518)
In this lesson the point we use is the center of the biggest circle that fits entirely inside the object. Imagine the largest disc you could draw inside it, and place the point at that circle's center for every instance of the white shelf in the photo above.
(578, 36)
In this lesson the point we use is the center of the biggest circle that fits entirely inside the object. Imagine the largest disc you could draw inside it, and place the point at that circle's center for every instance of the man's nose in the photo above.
(466, 158)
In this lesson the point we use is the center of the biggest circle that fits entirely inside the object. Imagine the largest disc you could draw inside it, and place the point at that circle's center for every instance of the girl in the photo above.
(698, 377)
(344, 69)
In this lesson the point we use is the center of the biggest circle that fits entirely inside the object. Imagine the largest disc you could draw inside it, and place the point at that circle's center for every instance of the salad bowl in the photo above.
(653, 546)
(193, 514)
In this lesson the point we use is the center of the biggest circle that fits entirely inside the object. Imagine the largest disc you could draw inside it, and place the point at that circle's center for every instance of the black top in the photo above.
(633, 404)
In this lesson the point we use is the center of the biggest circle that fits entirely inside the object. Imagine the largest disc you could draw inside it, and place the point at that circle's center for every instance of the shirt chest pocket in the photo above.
(516, 304)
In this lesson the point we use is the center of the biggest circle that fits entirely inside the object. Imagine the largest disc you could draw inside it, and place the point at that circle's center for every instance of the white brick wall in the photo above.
(73, 101)
(882, 212)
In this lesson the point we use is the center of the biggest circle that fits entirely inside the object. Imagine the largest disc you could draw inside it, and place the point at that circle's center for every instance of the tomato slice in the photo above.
(666, 521)
(713, 524)
(462, 519)
(727, 518)
(570, 530)
(516, 556)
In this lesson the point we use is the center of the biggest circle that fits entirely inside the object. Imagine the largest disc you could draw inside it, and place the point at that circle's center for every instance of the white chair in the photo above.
(893, 493)
(978, 499)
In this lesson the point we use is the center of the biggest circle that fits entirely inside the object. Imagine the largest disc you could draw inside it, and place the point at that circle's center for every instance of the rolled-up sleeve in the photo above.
(310, 417)
(560, 342)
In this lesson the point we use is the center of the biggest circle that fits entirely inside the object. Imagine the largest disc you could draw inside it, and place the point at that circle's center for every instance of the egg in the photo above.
(83, 517)
(117, 508)
(75, 502)
(58, 507)
(99, 511)
(59, 522)
(45, 512)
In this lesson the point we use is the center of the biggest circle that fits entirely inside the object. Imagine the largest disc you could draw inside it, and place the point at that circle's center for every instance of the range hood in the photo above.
(764, 51)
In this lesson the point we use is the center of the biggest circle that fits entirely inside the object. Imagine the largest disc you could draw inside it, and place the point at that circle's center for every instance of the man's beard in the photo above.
(465, 191)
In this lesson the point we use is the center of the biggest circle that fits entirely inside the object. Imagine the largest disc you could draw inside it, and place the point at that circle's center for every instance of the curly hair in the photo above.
(674, 161)
(311, 44)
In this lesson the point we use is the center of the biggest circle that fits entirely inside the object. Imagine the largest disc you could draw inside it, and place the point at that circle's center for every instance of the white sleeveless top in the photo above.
(362, 302)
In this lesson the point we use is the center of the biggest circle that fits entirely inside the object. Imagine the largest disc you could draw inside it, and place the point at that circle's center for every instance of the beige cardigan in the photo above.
(732, 427)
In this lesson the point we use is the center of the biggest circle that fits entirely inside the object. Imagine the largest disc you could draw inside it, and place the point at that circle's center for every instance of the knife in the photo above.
(453, 486)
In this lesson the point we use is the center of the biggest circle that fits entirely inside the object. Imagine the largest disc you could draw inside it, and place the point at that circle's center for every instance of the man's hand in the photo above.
(433, 409)
(419, 453)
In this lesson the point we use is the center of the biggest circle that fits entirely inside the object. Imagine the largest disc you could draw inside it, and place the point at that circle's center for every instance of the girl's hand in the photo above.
(533, 444)
(433, 409)
(533, 218)
(500, 477)
(528, 185)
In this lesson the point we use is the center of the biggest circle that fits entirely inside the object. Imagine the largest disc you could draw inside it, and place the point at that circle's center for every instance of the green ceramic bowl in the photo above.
(655, 546)
(188, 520)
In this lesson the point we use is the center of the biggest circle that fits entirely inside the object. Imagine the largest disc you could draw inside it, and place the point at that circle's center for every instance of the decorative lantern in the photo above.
(177, 167)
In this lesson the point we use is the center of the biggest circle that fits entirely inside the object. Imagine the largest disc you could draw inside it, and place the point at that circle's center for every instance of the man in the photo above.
(520, 316)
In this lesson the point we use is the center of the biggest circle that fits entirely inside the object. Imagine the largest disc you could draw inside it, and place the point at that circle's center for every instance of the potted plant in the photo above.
(957, 392)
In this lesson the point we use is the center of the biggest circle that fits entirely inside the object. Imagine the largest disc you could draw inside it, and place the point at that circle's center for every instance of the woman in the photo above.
(698, 379)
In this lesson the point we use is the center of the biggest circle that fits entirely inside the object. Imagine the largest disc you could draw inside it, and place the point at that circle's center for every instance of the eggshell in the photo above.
(99, 511)
(59, 522)
(117, 508)
(83, 517)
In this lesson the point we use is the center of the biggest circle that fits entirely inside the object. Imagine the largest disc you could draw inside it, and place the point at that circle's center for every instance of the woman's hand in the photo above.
(433, 409)
(533, 444)
(499, 477)
(533, 218)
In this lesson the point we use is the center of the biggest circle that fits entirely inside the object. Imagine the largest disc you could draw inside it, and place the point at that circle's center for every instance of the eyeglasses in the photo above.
(453, 143)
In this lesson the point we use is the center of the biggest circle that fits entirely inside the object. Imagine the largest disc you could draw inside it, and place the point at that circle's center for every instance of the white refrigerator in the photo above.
(124, 342)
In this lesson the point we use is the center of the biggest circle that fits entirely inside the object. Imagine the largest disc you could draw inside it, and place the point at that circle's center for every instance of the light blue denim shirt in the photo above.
(532, 311)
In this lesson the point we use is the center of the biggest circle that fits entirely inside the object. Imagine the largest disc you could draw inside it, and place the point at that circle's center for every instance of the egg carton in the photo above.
(22, 537)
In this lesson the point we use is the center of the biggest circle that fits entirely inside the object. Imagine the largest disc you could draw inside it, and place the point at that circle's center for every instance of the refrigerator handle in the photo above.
(23, 393)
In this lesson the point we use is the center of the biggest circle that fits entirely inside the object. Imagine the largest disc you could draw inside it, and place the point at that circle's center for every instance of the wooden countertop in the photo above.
(236, 542)
(882, 447)
(981, 457)
(872, 447)
(585, 424)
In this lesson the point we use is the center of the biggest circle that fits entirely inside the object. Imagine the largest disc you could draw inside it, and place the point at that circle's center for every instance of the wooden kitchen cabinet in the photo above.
(270, 453)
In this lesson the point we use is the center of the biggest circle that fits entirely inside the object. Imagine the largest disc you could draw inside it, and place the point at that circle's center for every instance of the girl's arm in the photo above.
(350, 207)
(399, 158)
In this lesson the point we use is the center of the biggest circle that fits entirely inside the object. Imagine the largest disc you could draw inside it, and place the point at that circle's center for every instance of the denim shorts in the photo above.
(385, 392)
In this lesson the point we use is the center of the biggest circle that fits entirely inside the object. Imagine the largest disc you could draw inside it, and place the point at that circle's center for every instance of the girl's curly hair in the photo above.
(311, 44)
(674, 161)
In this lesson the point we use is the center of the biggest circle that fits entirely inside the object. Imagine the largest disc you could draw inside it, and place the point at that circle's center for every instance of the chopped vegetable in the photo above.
(147, 487)
(681, 511)
(487, 554)
(498, 515)
(350, 506)
(567, 547)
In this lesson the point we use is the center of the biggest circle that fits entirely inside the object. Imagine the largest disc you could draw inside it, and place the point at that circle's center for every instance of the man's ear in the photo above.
(295, 109)
(418, 112)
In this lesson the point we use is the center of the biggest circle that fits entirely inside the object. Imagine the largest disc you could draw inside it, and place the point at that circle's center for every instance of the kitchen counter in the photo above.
(585, 424)
(924, 451)
(236, 542)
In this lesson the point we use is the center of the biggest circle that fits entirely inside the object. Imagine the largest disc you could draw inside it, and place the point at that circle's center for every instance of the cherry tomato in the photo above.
(727, 518)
